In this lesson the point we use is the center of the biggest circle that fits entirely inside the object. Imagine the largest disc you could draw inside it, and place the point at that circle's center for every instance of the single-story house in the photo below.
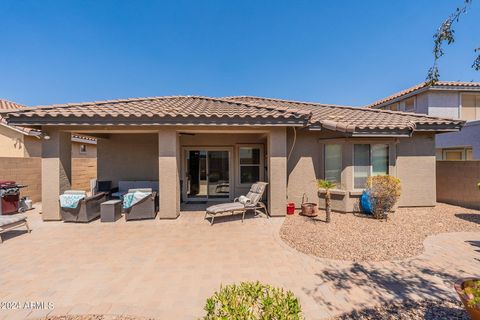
(23, 142)
(213, 149)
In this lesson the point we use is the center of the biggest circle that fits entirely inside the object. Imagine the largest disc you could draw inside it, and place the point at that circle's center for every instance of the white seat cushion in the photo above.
(9, 219)
(225, 207)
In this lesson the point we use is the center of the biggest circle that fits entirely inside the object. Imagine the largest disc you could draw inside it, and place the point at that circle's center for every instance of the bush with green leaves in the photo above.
(471, 289)
(252, 300)
(384, 193)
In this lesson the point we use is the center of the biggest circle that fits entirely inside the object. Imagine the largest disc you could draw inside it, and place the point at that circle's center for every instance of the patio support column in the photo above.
(277, 171)
(168, 172)
(56, 171)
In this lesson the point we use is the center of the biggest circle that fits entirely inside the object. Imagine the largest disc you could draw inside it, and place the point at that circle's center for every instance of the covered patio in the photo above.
(191, 165)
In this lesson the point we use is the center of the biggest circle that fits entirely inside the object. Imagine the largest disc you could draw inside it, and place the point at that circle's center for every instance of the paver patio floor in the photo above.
(167, 269)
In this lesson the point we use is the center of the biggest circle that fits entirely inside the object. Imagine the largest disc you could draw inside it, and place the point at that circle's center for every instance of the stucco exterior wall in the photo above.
(415, 168)
(128, 157)
(444, 104)
(91, 150)
(33, 146)
(26, 171)
(11, 143)
(410, 159)
(468, 136)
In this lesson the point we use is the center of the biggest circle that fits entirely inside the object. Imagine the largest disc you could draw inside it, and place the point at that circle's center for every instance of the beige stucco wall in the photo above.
(128, 157)
(412, 160)
(11, 143)
(91, 150)
(416, 170)
(56, 171)
(33, 146)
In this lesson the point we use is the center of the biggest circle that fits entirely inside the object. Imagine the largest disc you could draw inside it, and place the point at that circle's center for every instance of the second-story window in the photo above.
(470, 107)
(410, 104)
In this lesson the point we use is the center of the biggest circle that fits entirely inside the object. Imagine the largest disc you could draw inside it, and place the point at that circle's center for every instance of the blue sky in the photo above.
(341, 52)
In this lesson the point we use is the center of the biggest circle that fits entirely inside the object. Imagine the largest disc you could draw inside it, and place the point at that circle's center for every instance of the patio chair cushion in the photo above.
(256, 192)
(225, 207)
(9, 219)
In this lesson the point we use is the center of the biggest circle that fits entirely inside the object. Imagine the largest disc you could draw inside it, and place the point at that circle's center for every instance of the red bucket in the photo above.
(291, 208)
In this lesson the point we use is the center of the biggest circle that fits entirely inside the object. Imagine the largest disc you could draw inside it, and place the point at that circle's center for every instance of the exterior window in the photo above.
(250, 164)
(392, 107)
(369, 160)
(333, 163)
(410, 104)
(469, 154)
(83, 148)
(470, 107)
(459, 154)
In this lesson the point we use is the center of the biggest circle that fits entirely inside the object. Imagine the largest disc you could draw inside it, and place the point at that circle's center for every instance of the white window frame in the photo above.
(371, 166)
(80, 149)
(238, 166)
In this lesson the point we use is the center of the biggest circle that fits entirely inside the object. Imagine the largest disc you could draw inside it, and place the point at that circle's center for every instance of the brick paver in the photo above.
(166, 269)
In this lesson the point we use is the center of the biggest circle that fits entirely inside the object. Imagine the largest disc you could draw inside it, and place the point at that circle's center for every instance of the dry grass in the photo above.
(361, 238)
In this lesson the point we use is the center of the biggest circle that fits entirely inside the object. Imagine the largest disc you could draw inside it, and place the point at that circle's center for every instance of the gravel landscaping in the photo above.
(409, 310)
(95, 317)
(356, 237)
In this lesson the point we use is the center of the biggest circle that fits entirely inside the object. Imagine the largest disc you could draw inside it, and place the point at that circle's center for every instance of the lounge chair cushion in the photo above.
(140, 190)
(80, 192)
(225, 207)
(9, 219)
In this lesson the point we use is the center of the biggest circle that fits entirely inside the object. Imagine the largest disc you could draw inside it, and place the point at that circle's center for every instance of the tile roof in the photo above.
(424, 85)
(353, 119)
(158, 110)
(8, 105)
(12, 106)
(243, 110)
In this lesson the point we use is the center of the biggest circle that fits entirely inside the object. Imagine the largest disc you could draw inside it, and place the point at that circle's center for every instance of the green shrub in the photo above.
(252, 300)
(384, 192)
(471, 288)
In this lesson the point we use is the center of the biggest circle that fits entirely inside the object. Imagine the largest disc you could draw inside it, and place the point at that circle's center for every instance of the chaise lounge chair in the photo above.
(86, 210)
(252, 201)
(9, 222)
(146, 208)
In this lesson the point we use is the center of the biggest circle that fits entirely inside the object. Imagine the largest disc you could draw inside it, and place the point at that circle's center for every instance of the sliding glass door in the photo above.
(207, 174)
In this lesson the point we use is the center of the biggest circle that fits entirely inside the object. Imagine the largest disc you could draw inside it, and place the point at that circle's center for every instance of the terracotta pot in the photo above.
(459, 286)
(309, 209)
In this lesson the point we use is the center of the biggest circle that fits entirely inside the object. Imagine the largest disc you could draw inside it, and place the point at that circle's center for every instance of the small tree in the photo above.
(327, 185)
(384, 192)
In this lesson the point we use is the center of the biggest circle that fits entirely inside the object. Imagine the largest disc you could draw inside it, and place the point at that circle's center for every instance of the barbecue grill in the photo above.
(9, 197)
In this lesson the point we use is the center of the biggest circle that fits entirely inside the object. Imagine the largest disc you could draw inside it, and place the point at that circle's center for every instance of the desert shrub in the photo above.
(471, 289)
(384, 192)
(252, 300)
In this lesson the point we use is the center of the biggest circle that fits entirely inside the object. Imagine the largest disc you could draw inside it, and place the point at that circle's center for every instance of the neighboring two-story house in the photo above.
(457, 100)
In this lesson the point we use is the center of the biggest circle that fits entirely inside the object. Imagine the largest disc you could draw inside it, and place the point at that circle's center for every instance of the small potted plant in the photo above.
(469, 292)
